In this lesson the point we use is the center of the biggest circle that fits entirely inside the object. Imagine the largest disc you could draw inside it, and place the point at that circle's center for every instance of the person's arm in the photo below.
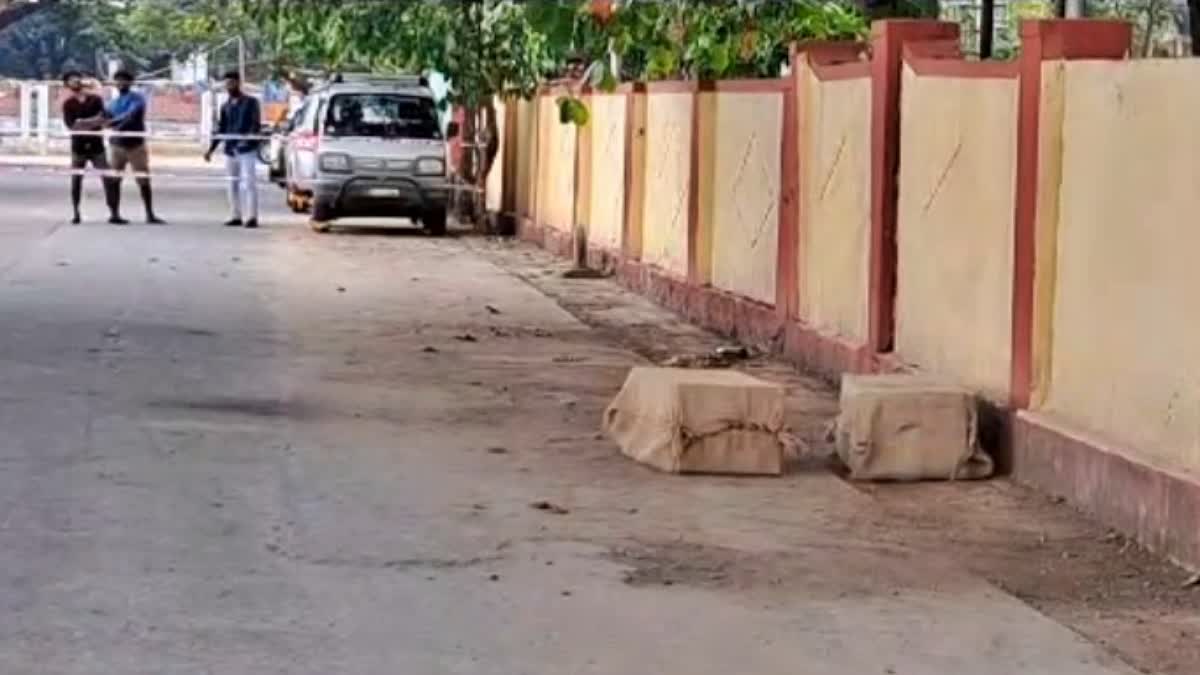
(136, 107)
(77, 123)
(69, 115)
(254, 124)
(222, 123)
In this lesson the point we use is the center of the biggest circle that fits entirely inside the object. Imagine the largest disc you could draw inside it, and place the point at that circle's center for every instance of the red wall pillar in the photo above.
(887, 44)
(1043, 40)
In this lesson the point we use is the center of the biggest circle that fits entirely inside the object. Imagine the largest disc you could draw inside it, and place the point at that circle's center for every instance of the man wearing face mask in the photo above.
(128, 114)
(83, 114)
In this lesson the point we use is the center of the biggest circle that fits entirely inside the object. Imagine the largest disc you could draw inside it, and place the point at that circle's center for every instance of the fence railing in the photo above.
(30, 113)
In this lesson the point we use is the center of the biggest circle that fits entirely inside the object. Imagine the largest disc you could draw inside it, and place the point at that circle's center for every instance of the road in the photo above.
(247, 452)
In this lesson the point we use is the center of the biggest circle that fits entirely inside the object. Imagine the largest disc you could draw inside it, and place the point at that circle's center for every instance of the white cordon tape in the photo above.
(174, 177)
(59, 134)
(135, 134)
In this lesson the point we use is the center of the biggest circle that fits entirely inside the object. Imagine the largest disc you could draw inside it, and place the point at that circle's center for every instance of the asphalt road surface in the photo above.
(245, 452)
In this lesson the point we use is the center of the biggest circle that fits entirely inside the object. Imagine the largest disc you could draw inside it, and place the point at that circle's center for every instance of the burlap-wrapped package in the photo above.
(699, 421)
(909, 427)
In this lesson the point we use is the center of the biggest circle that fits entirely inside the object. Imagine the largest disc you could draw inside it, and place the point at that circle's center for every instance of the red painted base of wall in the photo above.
(1159, 507)
(730, 315)
(553, 240)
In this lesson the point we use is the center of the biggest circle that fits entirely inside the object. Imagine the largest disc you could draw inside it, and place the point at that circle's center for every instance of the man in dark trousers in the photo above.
(127, 114)
(240, 116)
(83, 114)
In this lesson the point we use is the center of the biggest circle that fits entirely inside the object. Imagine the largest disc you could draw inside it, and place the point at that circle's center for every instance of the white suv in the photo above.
(370, 148)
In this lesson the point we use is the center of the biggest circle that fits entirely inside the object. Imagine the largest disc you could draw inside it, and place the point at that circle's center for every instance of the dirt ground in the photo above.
(1059, 561)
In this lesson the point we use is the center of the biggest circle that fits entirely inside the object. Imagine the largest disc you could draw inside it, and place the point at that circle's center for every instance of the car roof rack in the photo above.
(381, 80)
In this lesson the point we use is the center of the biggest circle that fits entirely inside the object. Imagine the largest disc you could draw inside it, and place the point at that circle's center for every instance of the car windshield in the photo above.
(382, 115)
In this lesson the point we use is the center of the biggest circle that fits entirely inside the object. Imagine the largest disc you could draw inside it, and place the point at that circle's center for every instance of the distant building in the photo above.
(192, 70)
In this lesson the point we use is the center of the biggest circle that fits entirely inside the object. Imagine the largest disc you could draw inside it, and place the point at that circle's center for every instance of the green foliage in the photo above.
(572, 111)
(145, 30)
(44, 44)
(492, 47)
(678, 39)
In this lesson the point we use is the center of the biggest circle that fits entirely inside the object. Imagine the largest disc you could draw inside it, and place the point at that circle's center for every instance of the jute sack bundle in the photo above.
(698, 421)
(908, 427)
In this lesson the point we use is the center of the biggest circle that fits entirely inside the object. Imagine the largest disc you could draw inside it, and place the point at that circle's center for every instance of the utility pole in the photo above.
(241, 45)
(987, 27)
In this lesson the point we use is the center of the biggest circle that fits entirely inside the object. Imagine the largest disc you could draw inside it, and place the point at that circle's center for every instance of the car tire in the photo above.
(318, 226)
(434, 222)
(323, 212)
(297, 202)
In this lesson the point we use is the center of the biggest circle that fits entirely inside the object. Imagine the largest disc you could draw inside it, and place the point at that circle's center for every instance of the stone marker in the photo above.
(909, 427)
(699, 421)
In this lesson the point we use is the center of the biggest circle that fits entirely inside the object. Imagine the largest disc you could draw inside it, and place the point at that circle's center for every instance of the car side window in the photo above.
(296, 119)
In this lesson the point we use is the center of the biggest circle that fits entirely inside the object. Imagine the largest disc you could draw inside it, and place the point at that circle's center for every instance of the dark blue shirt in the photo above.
(128, 113)
(240, 116)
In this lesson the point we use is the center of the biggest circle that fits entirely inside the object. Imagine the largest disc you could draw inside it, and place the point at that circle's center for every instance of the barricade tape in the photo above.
(180, 177)
(66, 133)
(60, 134)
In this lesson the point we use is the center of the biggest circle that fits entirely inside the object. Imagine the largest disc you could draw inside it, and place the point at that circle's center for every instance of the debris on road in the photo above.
(550, 507)
(494, 577)
(732, 352)
(1192, 581)
(466, 337)
(584, 273)
(429, 349)
(497, 450)
(341, 289)
(697, 361)
(492, 309)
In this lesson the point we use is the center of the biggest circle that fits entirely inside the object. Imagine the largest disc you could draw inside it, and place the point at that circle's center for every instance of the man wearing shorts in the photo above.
(84, 112)
(127, 114)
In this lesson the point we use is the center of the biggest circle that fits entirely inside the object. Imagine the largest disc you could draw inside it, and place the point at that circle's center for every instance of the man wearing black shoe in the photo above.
(240, 116)
(127, 114)
(83, 115)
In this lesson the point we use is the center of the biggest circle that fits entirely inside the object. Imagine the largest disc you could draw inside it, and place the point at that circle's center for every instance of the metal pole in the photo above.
(241, 57)
(1075, 9)
(987, 27)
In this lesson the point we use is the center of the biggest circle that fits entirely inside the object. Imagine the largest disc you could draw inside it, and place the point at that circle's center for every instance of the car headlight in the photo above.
(430, 166)
(335, 161)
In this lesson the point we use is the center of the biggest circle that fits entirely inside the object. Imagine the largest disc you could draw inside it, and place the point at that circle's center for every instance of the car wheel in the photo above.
(435, 222)
(319, 226)
(322, 214)
(297, 202)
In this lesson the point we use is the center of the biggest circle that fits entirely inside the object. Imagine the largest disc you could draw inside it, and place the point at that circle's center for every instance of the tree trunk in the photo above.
(490, 140)
(1152, 20)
